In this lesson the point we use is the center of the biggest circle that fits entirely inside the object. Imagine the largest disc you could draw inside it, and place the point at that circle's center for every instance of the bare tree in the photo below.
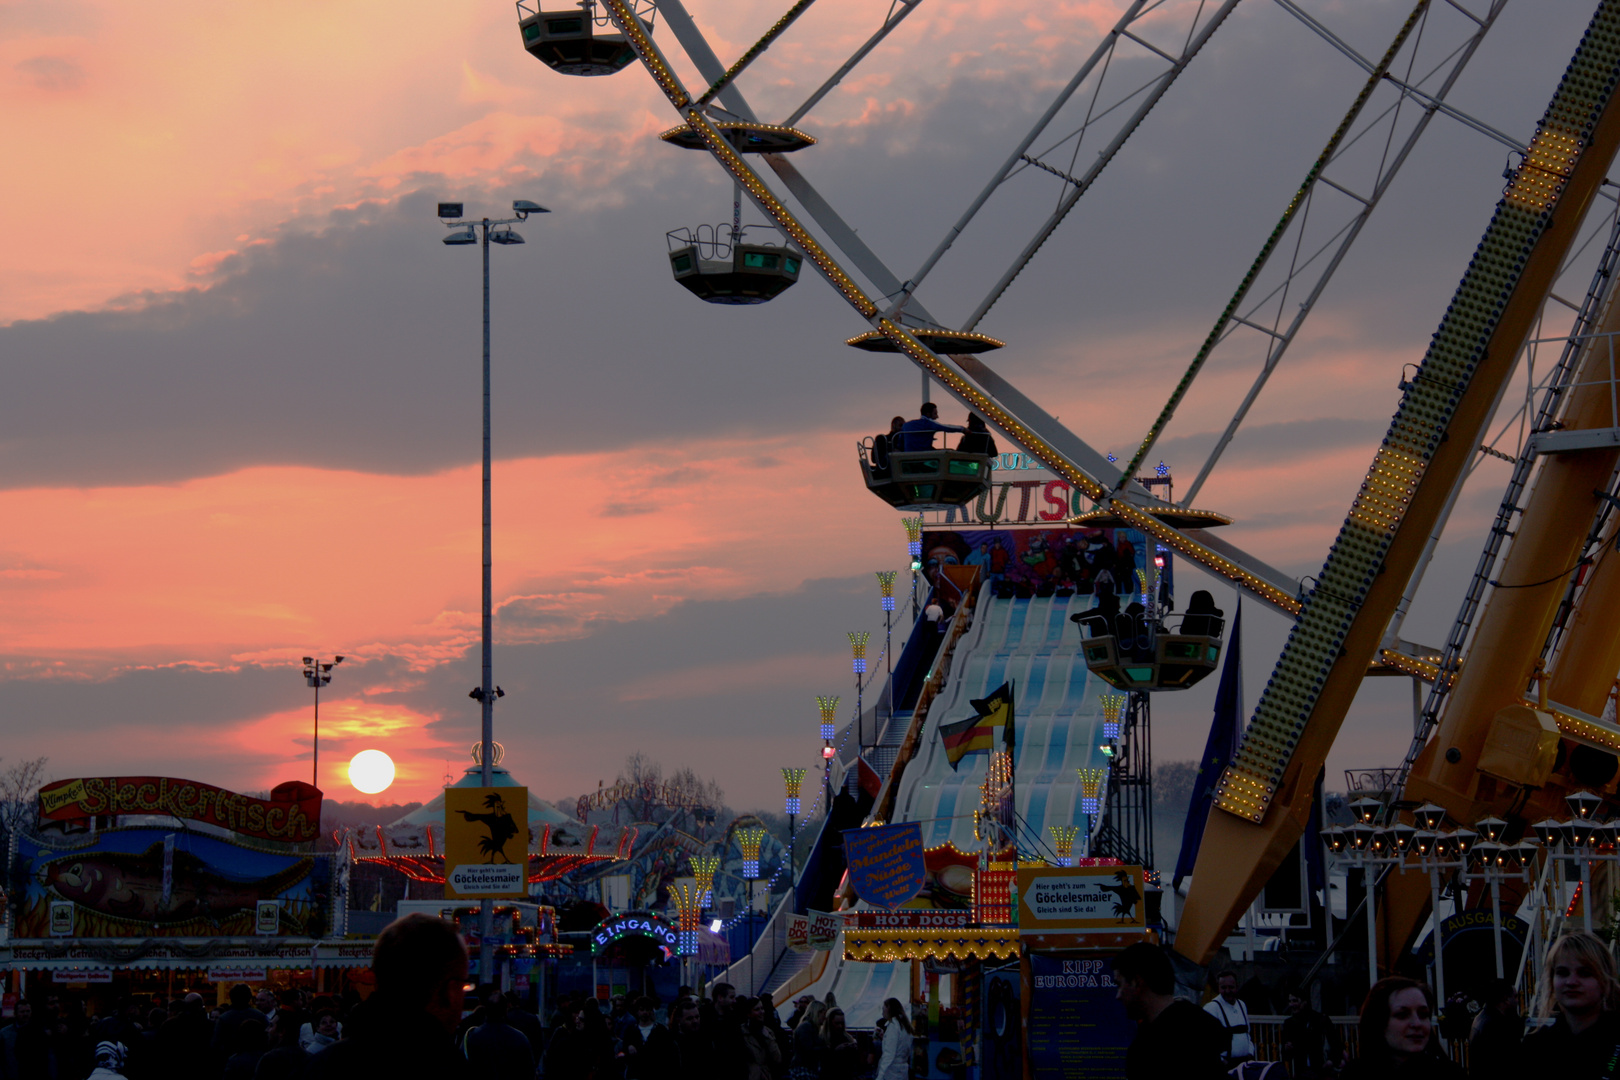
(19, 788)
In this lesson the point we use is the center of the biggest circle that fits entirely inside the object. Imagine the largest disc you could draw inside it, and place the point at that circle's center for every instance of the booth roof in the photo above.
(540, 811)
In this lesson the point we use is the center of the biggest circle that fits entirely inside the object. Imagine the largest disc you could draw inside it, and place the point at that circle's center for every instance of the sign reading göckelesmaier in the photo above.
(486, 842)
(1080, 898)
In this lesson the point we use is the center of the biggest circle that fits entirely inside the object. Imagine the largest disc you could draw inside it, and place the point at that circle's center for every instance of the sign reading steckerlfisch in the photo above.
(292, 813)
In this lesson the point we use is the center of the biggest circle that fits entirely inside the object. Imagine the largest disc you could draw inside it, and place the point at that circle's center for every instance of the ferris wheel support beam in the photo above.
(1039, 434)
(894, 20)
(1263, 798)
(1281, 342)
(1103, 49)
(1194, 44)
(1482, 21)
(1301, 200)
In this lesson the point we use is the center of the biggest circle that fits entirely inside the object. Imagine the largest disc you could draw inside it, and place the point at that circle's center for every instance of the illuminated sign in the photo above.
(1080, 898)
(292, 814)
(633, 925)
(486, 842)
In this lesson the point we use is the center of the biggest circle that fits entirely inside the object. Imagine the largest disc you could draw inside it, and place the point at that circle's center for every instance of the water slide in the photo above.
(1030, 642)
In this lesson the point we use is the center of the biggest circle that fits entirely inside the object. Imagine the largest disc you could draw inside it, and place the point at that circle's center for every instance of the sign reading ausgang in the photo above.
(486, 842)
(1080, 898)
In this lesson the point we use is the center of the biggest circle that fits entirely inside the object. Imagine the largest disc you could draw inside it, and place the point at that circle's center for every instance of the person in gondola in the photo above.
(881, 445)
(977, 440)
(918, 435)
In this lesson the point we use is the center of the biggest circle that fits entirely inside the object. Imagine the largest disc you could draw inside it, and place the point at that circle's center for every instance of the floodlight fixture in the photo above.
(505, 235)
(462, 237)
(451, 210)
(523, 208)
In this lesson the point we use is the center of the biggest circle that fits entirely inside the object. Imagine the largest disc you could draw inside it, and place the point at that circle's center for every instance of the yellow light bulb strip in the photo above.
(630, 26)
(1291, 697)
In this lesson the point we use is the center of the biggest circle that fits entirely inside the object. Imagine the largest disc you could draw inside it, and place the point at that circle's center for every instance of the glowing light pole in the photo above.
(886, 594)
(857, 642)
(792, 779)
(317, 673)
(914, 527)
(748, 842)
(466, 232)
(1091, 782)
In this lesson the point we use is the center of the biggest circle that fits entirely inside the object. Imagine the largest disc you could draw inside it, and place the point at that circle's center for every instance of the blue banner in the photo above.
(885, 863)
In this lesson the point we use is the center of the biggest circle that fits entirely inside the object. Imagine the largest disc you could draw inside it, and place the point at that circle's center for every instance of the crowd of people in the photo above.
(1574, 1028)
(422, 1022)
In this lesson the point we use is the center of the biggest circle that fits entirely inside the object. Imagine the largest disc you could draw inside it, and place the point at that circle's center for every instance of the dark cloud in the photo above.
(53, 74)
(352, 342)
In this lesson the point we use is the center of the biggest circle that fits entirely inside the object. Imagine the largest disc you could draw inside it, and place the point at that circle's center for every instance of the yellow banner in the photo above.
(486, 842)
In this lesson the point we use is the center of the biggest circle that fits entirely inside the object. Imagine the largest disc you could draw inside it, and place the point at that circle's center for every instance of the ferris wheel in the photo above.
(1348, 618)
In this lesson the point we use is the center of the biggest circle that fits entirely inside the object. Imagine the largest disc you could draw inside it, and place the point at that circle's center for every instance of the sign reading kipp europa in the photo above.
(486, 842)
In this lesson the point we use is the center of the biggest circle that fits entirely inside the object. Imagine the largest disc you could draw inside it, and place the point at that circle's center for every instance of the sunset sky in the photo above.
(240, 418)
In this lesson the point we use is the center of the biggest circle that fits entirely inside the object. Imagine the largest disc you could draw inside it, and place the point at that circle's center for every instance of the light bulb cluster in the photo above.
(857, 643)
(828, 705)
(1063, 837)
(1091, 782)
(748, 842)
(886, 587)
(792, 779)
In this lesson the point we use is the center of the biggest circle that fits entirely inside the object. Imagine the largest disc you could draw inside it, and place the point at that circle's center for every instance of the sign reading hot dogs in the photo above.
(292, 813)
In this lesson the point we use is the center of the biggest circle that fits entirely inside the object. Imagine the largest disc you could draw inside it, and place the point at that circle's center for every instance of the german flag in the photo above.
(990, 728)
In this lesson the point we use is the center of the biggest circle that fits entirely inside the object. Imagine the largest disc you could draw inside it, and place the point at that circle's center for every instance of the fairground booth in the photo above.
(149, 884)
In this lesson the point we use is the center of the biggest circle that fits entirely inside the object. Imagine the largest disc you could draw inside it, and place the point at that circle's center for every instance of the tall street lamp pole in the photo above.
(466, 232)
(317, 674)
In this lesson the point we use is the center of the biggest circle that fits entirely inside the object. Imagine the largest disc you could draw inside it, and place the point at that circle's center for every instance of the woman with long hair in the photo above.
(1397, 1035)
(840, 1052)
(1580, 990)
(807, 1044)
(895, 1064)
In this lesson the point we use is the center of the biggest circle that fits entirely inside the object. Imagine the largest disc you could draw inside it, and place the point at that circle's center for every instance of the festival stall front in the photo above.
(557, 843)
(122, 879)
(1005, 960)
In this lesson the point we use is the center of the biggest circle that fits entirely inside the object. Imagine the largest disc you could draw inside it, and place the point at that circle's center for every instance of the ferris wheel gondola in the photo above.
(575, 42)
(924, 479)
(718, 264)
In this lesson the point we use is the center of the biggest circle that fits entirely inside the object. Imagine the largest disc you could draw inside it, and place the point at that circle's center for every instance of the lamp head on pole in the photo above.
(1583, 804)
(1430, 816)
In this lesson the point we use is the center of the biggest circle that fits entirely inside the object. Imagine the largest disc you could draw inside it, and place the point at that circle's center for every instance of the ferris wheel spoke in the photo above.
(895, 18)
(1128, 127)
(1338, 244)
(702, 55)
(1300, 199)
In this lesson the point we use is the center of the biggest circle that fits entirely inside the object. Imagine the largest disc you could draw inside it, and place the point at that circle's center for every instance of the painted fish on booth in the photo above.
(131, 886)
